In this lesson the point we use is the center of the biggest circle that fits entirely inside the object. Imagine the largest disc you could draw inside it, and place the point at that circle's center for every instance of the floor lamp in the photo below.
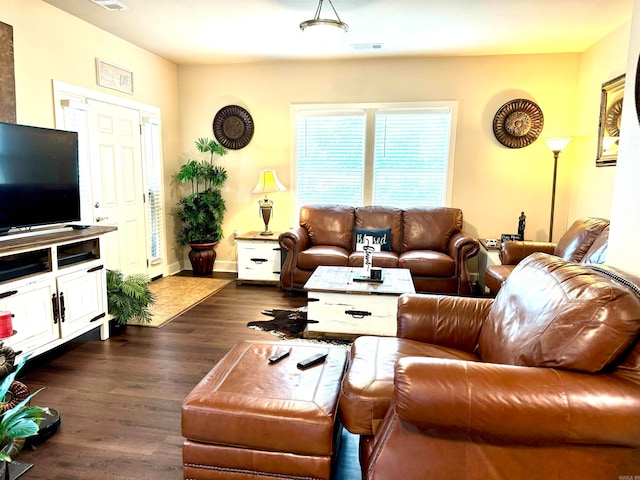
(267, 183)
(556, 145)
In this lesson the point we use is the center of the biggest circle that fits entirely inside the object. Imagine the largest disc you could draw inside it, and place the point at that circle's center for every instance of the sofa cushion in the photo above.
(428, 263)
(430, 228)
(381, 239)
(329, 224)
(554, 313)
(576, 241)
(597, 253)
(367, 388)
(313, 257)
(376, 217)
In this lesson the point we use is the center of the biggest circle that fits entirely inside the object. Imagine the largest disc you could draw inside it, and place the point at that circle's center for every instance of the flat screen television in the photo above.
(39, 181)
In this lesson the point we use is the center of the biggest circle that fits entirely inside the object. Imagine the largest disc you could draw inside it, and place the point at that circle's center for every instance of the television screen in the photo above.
(39, 182)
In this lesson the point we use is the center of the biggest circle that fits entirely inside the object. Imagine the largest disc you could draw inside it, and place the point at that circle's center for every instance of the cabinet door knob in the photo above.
(56, 311)
(62, 307)
(8, 294)
(357, 313)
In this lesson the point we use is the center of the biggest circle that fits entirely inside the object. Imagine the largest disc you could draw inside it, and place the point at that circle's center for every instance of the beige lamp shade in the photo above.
(268, 182)
(557, 144)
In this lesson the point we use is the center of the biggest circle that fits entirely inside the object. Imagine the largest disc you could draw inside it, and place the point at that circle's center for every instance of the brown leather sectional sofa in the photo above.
(586, 241)
(542, 382)
(427, 241)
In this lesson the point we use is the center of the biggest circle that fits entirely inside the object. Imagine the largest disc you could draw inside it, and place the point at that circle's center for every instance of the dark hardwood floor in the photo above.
(119, 400)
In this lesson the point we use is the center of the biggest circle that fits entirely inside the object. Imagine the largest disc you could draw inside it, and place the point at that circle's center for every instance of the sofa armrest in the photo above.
(512, 252)
(444, 320)
(292, 242)
(462, 247)
(503, 403)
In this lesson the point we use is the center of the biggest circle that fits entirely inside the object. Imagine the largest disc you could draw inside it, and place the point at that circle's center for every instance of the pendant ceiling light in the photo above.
(317, 21)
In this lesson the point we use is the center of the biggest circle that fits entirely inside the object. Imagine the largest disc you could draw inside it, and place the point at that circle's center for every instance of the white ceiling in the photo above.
(231, 31)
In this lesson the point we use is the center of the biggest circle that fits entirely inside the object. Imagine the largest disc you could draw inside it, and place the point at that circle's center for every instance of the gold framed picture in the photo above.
(611, 96)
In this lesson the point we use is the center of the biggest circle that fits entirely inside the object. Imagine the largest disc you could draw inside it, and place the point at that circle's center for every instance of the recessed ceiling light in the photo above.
(111, 4)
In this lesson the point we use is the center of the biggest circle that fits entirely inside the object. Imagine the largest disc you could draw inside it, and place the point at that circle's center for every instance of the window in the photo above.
(398, 155)
(152, 159)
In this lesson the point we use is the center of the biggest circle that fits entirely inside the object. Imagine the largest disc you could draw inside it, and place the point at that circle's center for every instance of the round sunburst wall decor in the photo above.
(518, 123)
(233, 127)
(614, 115)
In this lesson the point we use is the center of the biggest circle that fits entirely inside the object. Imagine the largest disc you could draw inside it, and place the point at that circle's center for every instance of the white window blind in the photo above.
(411, 157)
(151, 148)
(330, 149)
(374, 154)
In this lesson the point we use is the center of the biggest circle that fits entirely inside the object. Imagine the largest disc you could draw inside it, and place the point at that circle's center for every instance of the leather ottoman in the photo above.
(249, 418)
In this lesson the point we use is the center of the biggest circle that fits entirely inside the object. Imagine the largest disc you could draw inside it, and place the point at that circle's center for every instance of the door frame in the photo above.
(65, 91)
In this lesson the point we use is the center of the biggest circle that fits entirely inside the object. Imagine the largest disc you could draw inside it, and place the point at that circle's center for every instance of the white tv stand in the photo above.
(54, 284)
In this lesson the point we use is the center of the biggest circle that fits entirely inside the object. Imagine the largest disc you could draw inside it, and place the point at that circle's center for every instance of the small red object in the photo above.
(6, 324)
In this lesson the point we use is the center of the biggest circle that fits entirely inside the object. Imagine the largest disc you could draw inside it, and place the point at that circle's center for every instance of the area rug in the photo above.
(285, 324)
(177, 294)
(290, 325)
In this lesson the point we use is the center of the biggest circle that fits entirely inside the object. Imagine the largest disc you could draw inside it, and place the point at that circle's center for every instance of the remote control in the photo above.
(279, 356)
(311, 361)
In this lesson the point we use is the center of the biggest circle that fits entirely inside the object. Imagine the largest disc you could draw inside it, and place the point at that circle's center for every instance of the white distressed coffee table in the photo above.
(345, 307)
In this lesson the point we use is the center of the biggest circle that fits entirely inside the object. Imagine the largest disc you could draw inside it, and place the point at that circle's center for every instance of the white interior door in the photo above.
(117, 184)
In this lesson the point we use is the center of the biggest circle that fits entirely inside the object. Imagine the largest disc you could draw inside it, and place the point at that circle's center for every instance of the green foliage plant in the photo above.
(129, 297)
(21, 421)
(202, 211)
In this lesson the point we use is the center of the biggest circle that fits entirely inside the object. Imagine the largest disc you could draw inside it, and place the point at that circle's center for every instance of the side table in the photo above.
(486, 256)
(259, 258)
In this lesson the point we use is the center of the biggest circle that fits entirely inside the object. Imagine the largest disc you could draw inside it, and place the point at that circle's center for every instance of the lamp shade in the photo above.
(268, 182)
(557, 144)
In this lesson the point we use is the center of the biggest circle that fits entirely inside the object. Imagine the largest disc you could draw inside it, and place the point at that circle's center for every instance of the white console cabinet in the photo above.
(54, 284)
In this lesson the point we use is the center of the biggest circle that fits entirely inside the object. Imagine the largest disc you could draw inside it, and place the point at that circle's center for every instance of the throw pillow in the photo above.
(381, 239)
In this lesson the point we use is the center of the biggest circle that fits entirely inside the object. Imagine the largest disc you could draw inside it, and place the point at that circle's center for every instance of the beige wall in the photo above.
(492, 183)
(625, 215)
(591, 186)
(50, 44)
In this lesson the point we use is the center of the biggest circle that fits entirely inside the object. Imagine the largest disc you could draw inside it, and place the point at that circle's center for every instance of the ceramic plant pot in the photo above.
(202, 256)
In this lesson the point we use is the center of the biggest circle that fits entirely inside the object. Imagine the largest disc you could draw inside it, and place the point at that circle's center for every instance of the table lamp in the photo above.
(267, 183)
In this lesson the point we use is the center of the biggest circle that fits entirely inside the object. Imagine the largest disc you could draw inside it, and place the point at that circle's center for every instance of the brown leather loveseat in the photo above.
(427, 241)
(542, 382)
(586, 241)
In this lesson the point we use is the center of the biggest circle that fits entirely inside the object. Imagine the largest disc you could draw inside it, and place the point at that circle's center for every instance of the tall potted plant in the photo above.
(202, 210)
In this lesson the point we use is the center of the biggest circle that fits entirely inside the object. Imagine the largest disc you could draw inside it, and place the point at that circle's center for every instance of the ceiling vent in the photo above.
(366, 46)
(114, 5)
